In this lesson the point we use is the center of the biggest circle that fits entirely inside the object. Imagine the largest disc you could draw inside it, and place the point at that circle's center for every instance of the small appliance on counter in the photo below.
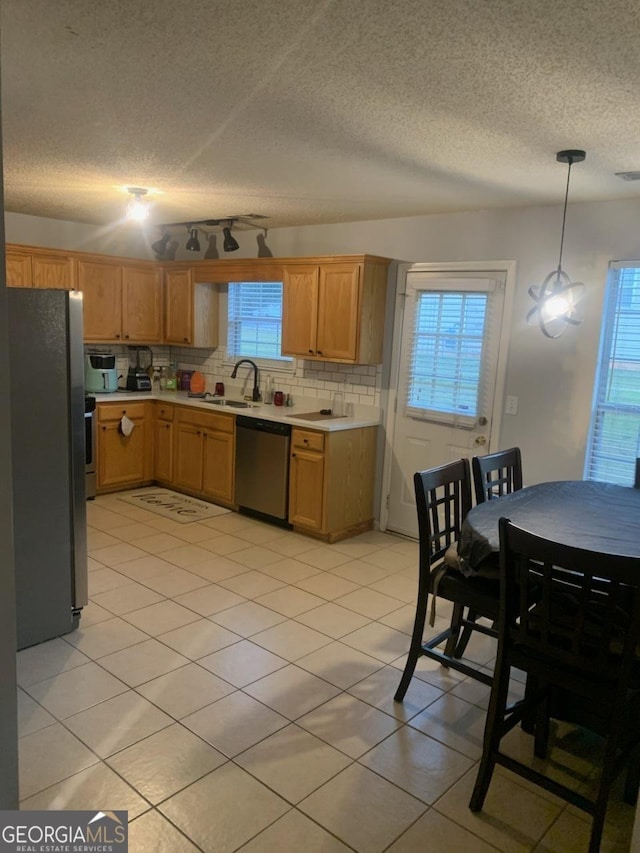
(100, 374)
(140, 369)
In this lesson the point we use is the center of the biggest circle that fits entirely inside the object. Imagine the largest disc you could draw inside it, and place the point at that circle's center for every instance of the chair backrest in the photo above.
(573, 616)
(497, 474)
(443, 499)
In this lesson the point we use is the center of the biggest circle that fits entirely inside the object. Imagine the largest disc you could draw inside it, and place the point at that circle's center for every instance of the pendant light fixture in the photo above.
(557, 297)
(137, 209)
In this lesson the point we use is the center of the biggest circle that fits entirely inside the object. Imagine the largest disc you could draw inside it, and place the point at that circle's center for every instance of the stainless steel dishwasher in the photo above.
(262, 468)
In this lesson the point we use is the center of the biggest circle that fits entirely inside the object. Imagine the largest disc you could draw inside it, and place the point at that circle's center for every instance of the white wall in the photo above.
(126, 240)
(553, 379)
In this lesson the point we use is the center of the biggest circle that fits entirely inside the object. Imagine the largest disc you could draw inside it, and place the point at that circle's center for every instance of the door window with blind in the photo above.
(614, 439)
(449, 352)
(255, 321)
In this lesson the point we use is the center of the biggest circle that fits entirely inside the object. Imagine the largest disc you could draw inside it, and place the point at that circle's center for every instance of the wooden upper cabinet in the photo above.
(338, 318)
(53, 270)
(191, 310)
(178, 294)
(300, 310)
(18, 266)
(122, 301)
(101, 285)
(335, 311)
(141, 303)
(31, 267)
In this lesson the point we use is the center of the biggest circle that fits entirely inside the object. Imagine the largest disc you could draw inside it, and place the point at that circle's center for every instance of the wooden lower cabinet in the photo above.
(163, 444)
(331, 482)
(306, 477)
(204, 454)
(331, 478)
(124, 461)
(218, 466)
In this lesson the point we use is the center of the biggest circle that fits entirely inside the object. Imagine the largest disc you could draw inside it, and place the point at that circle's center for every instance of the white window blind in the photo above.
(614, 440)
(255, 320)
(448, 353)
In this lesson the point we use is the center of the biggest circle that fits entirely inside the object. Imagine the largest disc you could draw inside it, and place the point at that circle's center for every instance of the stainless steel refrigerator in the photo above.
(48, 450)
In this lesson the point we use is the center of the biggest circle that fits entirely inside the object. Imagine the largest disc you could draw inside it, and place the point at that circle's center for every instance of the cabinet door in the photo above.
(299, 310)
(338, 311)
(141, 304)
(121, 459)
(306, 480)
(217, 480)
(188, 458)
(179, 307)
(18, 267)
(54, 271)
(101, 286)
(163, 447)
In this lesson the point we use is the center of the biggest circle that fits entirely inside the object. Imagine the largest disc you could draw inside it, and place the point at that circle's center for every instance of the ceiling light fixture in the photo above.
(193, 244)
(557, 297)
(137, 209)
(230, 244)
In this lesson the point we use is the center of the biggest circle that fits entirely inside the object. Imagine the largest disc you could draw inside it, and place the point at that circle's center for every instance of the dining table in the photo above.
(596, 516)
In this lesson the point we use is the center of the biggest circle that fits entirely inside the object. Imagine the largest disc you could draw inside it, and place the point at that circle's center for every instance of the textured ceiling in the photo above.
(310, 111)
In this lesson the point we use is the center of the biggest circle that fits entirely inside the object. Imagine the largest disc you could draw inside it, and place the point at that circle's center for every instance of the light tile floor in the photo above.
(231, 686)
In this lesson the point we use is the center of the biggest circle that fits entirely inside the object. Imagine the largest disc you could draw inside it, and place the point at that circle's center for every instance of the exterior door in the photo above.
(448, 358)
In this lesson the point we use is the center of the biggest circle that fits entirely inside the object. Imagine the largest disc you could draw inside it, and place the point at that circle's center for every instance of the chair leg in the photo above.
(456, 624)
(632, 781)
(607, 776)
(463, 642)
(492, 736)
(415, 649)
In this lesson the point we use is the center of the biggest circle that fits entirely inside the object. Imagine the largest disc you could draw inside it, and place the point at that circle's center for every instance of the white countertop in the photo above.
(364, 416)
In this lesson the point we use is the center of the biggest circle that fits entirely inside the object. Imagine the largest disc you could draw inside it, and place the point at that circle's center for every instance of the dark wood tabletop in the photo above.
(597, 516)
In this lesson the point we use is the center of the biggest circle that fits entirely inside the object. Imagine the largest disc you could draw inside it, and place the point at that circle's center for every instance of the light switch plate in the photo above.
(511, 407)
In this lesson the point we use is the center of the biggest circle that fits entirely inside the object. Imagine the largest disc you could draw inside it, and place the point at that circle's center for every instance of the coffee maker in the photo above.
(140, 366)
(100, 374)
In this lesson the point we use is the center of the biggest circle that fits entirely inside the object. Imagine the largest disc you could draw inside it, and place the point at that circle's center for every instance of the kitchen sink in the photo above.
(235, 404)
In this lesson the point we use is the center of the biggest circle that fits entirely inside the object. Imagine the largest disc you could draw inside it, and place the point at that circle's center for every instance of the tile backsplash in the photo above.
(361, 383)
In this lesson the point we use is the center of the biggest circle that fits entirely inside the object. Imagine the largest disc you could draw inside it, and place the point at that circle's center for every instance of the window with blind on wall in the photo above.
(451, 351)
(255, 320)
(614, 438)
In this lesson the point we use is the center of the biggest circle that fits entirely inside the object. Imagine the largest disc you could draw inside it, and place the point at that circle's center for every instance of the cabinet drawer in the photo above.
(304, 439)
(164, 412)
(114, 411)
(207, 420)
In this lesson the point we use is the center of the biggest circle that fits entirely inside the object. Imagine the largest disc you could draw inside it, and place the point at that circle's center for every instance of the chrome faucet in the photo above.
(255, 396)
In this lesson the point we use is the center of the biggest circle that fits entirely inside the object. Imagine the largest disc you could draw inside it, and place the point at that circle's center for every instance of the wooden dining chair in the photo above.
(443, 498)
(570, 619)
(497, 474)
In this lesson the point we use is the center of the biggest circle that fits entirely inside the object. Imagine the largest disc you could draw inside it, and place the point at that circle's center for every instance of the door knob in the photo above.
(480, 440)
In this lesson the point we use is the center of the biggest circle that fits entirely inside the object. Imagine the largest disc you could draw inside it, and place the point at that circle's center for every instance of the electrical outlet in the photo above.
(511, 407)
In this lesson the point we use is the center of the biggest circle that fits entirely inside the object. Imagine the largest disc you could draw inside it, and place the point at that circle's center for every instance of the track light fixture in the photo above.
(193, 244)
(557, 297)
(197, 228)
(160, 246)
(211, 252)
(263, 250)
(137, 210)
(230, 243)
